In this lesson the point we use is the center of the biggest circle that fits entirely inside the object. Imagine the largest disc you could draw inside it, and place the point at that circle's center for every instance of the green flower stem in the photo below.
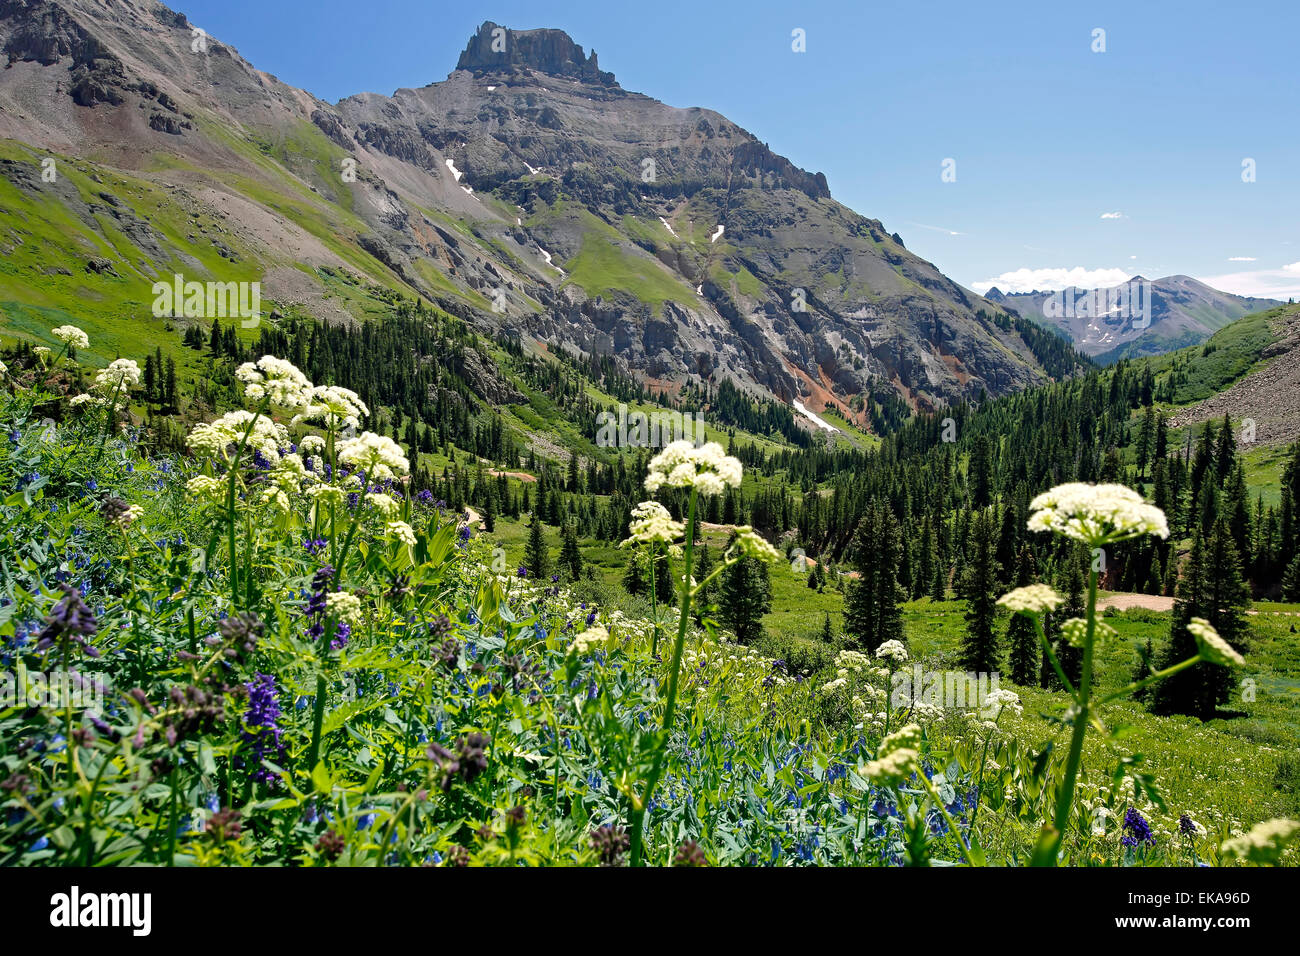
(352, 529)
(984, 759)
(317, 723)
(670, 706)
(109, 415)
(654, 600)
(952, 824)
(1051, 656)
(230, 500)
(1065, 797)
(1158, 675)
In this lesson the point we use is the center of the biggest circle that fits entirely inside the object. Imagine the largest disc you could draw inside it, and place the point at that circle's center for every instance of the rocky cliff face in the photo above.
(495, 49)
(527, 191)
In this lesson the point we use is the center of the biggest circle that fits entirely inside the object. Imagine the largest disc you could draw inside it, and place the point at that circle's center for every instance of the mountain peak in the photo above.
(497, 49)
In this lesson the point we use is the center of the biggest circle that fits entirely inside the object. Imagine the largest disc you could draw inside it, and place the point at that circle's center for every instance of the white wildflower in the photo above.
(682, 465)
(275, 379)
(1032, 599)
(893, 768)
(1075, 632)
(332, 406)
(345, 606)
(1213, 647)
(1096, 514)
(653, 524)
(383, 503)
(754, 545)
(71, 335)
(1264, 843)
(377, 456)
(592, 639)
(402, 531)
(893, 651)
(1001, 700)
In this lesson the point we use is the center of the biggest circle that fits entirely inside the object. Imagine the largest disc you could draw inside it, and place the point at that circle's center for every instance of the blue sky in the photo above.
(1110, 164)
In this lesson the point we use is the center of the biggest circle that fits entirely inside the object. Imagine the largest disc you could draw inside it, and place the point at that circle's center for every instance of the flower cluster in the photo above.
(892, 651)
(219, 438)
(753, 545)
(261, 727)
(1096, 514)
(376, 456)
(111, 383)
(652, 524)
(1213, 647)
(469, 760)
(1032, 599)
(275, 380)
(72, 336)
(333, 406)
(707, 468)
(1264, 844)
(896, 758)
(592, 639)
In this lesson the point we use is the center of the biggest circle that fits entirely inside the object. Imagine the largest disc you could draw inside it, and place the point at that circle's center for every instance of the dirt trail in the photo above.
(1158, 602)
(1126, 602)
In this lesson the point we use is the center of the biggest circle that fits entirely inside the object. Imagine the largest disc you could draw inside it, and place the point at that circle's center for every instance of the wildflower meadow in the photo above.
(269, 649)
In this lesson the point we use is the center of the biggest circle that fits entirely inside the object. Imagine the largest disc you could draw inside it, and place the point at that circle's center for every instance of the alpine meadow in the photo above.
(519, 471)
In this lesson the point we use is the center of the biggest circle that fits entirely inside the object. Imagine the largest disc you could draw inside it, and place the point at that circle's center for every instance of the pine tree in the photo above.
(979, 650)
(703, 568)
(1073, 583)
(981, 472)
(665, 591)
(1212, 588)
(634, 579)
(1022, 634)
(827, 635)
(1291, 581)
(744, 597)
(537, 557)
(570, 553)
(871, 606)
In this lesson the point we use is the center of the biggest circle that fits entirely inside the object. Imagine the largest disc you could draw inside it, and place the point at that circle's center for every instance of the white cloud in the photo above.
(951, 232)
(1112, 215)
(1283, 283)
(1241, 258)
(1047, 280)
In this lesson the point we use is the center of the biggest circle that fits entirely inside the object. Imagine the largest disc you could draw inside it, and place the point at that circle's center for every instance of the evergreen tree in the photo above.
(1072, 584)
(1291, 581)
(871, 605)
(1212, 588)
(744, 597)
(570, 553)
(665, 591)
(827, 635)
(1022, 634)
(703, 568)
(537, 556)
(979, 650)
(634, 577)
(981, 472)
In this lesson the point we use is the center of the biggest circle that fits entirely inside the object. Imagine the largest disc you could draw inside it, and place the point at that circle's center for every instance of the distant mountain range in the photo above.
(528, 193)
(1141, 317)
